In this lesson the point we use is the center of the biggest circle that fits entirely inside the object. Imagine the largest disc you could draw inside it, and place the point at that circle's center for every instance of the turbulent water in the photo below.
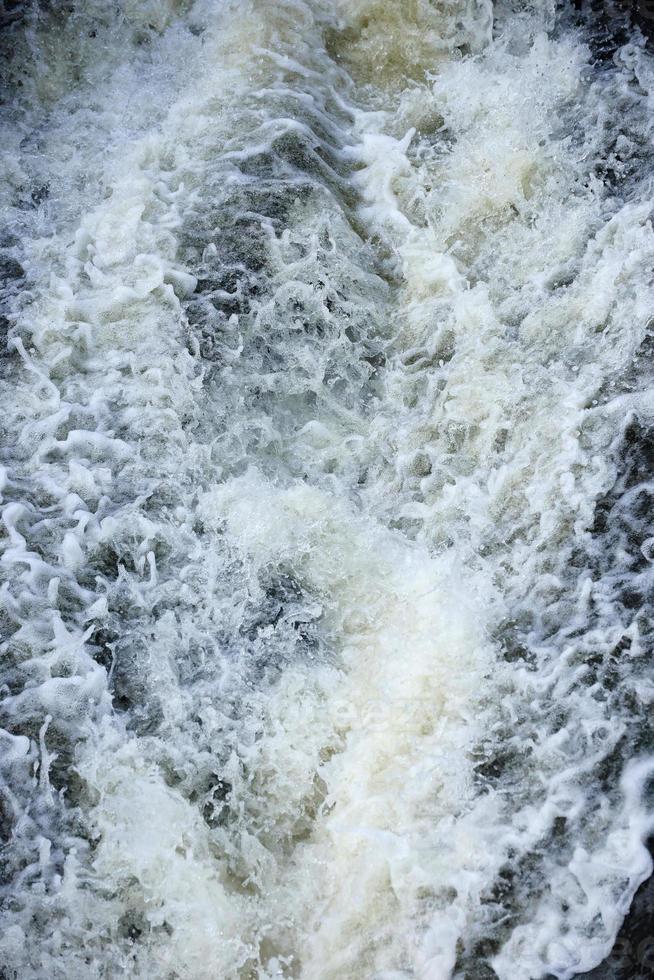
(327, 417)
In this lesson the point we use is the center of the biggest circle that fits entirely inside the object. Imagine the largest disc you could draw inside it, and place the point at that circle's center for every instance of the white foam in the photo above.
(319, 378)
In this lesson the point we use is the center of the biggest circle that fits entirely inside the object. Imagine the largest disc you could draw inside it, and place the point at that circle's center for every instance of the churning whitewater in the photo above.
(327, 420)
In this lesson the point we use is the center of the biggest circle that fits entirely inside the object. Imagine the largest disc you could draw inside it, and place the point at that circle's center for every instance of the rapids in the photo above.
(327, 417)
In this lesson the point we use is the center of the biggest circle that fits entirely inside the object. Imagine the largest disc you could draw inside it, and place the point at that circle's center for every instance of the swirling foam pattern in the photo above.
(328, 435)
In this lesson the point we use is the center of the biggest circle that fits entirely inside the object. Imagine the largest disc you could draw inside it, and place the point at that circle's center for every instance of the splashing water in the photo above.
(327, 467)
